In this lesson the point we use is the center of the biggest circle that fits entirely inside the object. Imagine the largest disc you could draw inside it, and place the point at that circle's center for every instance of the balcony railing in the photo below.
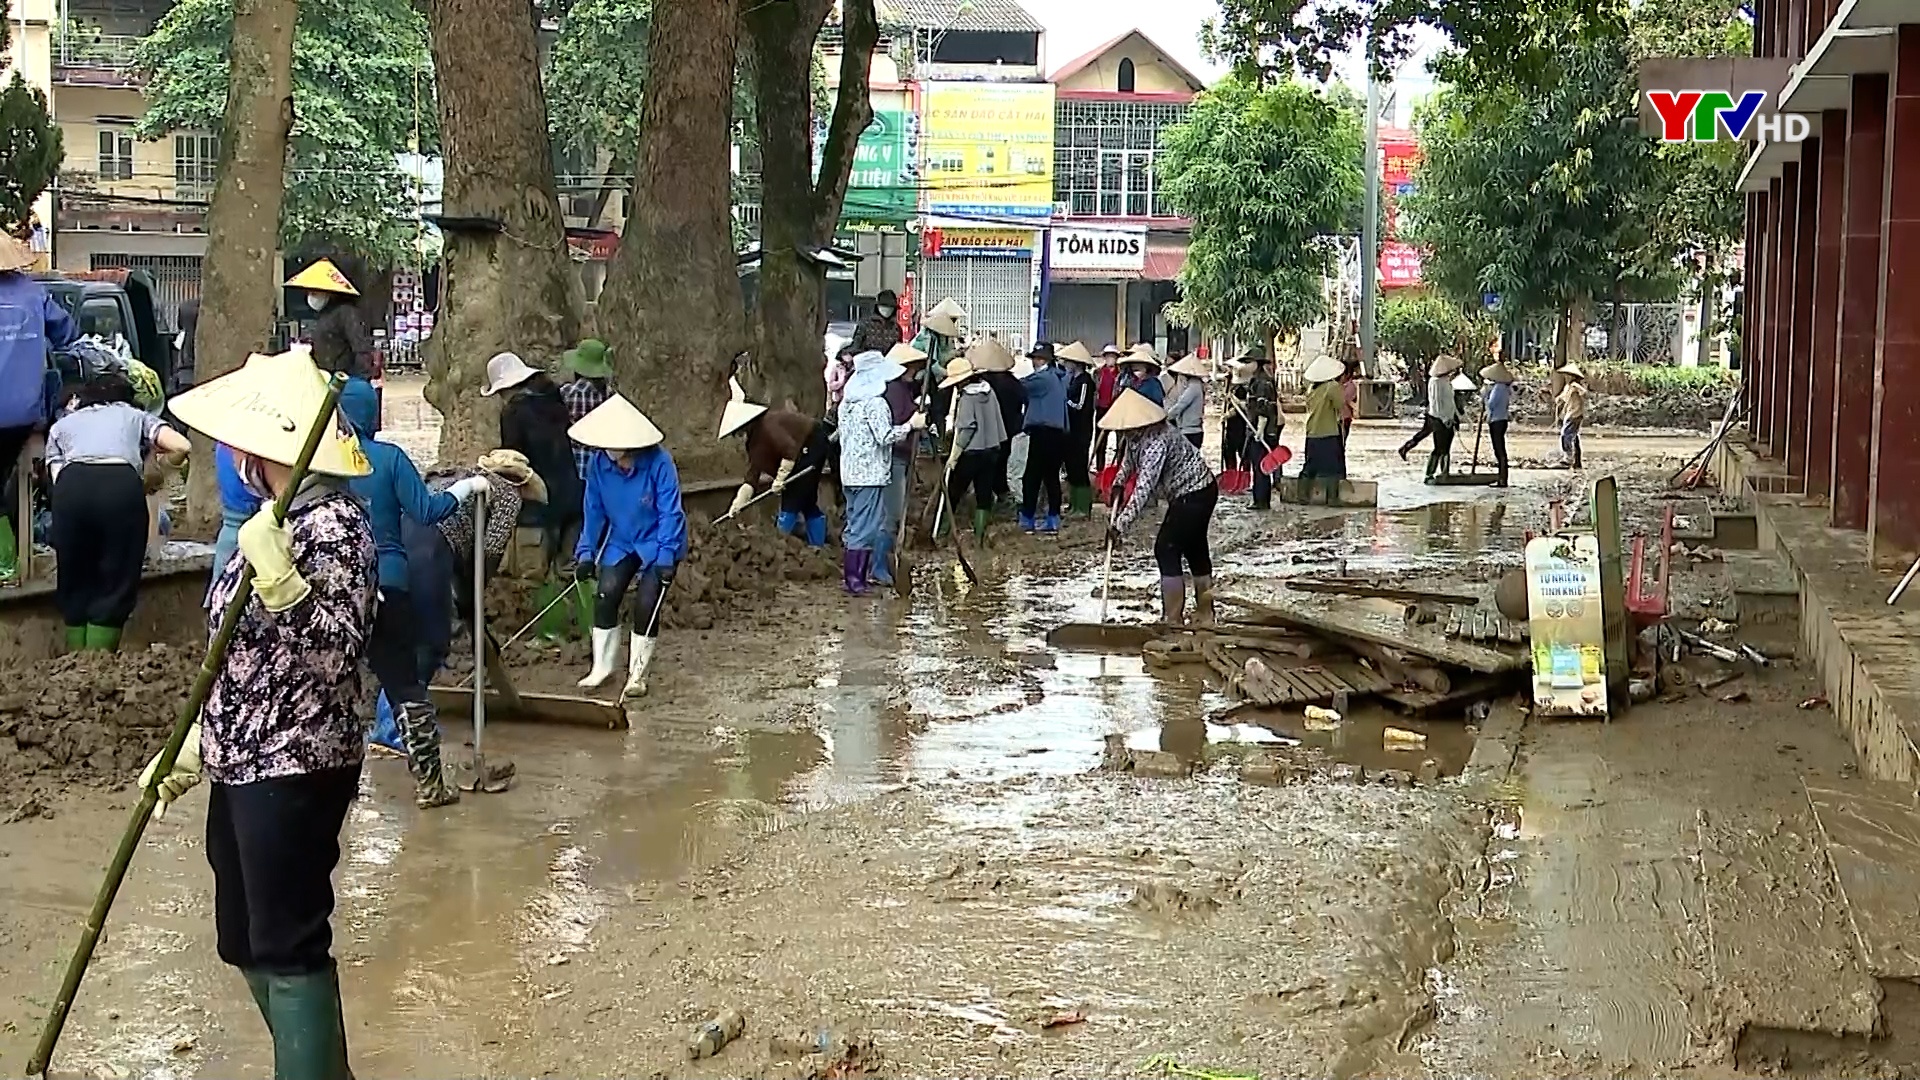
(82, 57)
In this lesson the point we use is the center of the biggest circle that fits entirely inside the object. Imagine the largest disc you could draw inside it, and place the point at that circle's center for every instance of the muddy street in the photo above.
(889, 835)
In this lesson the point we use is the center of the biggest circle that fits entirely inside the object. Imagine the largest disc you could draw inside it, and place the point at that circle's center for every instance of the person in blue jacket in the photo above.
(633, 527)
(394, 490)
(31, 321)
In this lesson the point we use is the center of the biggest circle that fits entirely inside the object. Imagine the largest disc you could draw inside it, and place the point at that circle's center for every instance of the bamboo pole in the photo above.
(150, 797)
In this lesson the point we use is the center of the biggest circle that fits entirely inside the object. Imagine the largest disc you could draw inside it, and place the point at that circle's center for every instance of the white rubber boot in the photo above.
(638, 658)
(606, 649)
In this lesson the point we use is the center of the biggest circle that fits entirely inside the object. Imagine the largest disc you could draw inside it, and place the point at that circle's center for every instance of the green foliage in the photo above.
(1267, 175)
(1548, 196)
(596, 73)
(1419, 327)
(1495, 39)
(29, 150)
(362, 94)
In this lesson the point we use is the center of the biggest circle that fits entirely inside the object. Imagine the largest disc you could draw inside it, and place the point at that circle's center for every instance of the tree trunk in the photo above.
(239, 280)
(1617, 324)
(797, 212)
(672, 302)
(511, 290)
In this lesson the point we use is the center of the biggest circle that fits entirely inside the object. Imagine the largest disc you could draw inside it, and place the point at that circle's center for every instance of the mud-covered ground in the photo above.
(882, 828)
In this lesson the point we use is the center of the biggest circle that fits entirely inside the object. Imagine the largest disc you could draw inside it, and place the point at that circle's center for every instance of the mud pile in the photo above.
(727, 565)
(86, 719)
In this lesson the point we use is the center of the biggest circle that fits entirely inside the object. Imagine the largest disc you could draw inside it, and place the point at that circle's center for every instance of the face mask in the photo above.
(252, 476)
(885, 312)
(318, 301)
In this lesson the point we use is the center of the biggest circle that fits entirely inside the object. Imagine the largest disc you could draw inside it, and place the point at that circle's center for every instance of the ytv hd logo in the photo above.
(1700, 115)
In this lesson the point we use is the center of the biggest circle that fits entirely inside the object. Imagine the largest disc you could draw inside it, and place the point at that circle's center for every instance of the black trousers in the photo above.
(612, 585)
(1442, 446)
(1002, 484)
(1183, 534)
(1427, 426)
(1497, 433)
(974, 470)
(100, 539)
(273, 845)
(12, 439)
(1046, 453)
(1233, 444)
(1198, 439)
(802, 496)
(393, 650)
(1079, 461)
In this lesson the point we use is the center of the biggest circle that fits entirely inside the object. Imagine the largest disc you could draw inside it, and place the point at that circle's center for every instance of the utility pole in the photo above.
(1369, 231)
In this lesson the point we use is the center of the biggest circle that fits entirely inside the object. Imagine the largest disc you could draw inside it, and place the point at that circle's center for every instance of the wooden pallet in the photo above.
(1484, 624)
(1291, 685)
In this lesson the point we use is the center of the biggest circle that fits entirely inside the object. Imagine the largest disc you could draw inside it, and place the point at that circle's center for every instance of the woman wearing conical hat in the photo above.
(788, 450)
(1157, 462)
(633, 527)
(1572, 407)
(1499, 380)
(1140, 372)
(867, 438)
(282, 735)
(1082, 395)
(1441, 417)
(979, 436)
(1326, 452)
(339, 336)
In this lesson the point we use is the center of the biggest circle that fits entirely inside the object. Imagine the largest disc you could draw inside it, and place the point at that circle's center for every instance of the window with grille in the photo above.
(1103, 157)
(116, 154)
(195, 158)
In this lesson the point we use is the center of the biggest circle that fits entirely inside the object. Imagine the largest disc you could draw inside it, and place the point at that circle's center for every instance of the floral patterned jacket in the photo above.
(287, 700)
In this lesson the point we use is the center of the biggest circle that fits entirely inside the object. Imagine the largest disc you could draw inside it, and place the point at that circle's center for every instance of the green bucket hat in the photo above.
(589, 358)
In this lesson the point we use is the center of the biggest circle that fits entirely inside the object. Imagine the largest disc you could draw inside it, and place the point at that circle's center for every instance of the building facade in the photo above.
(122, 203)
(1829, 342)
(1115, 244)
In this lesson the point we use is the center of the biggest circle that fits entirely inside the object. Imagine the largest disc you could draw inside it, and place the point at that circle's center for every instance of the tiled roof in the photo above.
(979, 15)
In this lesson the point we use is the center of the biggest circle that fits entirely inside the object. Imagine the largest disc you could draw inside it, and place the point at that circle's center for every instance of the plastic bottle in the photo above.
(713, 1036)
(1319, 719)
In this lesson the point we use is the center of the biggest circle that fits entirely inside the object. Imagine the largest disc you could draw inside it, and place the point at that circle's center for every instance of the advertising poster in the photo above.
(1569, 634)
(882, 188)
(988, 149)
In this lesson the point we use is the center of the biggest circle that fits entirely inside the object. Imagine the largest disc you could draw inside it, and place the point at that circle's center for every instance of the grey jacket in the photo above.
(977, 422)
(1187, 407)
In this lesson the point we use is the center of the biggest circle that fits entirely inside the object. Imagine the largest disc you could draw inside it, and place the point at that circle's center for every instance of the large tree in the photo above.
(672, 307)
(510, 282)
(363, 93)
(243, 222)
(799, 211)
(1268, 176)
(1495, 39)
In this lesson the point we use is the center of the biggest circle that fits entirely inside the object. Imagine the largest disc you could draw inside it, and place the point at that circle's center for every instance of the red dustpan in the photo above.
(1275, 458)
(1235, 481)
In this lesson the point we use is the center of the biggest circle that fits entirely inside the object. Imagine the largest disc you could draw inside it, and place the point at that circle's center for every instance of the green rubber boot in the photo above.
(257, 986)
(309, 1036)
(76, 639)
(9, 552)
(1082, 501)
(103, 638)
(981, 519)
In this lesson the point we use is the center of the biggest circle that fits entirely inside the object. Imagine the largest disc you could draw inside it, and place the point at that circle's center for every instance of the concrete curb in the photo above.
(1496, 749)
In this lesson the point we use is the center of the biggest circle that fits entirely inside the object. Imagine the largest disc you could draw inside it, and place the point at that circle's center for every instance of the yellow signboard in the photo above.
(1564, 620)
(989, 150)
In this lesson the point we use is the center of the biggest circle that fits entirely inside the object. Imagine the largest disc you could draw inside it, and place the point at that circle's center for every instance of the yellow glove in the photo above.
(780, 478)
(185, 774)
(741, 498)
(269, 550)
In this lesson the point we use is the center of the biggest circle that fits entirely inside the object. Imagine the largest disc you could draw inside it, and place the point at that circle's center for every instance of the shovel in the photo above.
(731, 514)
(897, 564)
(496, 778)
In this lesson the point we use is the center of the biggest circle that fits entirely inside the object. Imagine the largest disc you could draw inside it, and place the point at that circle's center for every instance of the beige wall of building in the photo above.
(1152, 74)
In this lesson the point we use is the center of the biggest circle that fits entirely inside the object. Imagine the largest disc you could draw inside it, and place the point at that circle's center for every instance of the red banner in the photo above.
(1399, 265)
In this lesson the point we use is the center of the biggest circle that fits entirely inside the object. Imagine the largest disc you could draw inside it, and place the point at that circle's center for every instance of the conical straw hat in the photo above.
(1132, 410)
(1022, 367)
(323, 276)
(904, 354)
(615, 425)
(14, 255)
(1074, 351)
(1446, 365)
(987, 354)
(945, 318)
(1325, 368)
(949, 308)
(1573, 370)
(266, 409)
(1142, 354)
(1191, 365)
(958, 371)
(1497, 372)
(1463, 382)
(740, 412)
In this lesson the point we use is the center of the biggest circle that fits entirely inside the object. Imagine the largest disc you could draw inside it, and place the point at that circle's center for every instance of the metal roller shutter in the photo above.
(1082, 313)
(997, 293)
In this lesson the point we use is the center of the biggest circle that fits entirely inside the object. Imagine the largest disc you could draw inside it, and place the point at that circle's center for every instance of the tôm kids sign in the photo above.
(1704, 115)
